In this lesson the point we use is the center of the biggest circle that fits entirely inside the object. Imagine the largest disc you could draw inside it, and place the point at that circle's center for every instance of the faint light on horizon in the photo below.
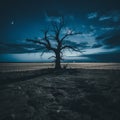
(31, 57)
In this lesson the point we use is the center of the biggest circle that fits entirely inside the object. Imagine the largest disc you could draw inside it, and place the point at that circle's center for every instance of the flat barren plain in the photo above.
(80, 91)
(9, 67)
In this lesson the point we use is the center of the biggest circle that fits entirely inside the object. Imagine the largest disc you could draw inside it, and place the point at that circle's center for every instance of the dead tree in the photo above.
(60, 40)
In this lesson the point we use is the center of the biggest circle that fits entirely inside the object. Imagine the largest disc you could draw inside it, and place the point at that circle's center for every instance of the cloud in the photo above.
(109, 39)
(104, 56)
(81, 45)
(112, 42)
(50, 18)
(104, 18)
(113, 16)
(19, 48)
(92, 15)
(105, 35)
(97, 45)
(107, 28)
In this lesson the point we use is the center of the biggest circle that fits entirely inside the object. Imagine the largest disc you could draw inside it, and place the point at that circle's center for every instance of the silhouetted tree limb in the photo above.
(56, 35)
(70, 47)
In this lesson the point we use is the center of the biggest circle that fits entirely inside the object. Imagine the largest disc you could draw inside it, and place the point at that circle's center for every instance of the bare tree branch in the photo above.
(47, 39)
(51, 57)
(43, 52)
(68, 35)
(57, 27)
(36, 41)
(71, 47)
(42, 43)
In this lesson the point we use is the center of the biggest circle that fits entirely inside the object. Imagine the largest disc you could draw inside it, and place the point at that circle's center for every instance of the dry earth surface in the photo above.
(35, 91)
(10, 67)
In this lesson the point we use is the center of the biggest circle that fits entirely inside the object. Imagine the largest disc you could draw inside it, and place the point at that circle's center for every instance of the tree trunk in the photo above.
(57, 61)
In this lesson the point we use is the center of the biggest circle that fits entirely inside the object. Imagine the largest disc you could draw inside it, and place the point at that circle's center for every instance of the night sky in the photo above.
(98, 20)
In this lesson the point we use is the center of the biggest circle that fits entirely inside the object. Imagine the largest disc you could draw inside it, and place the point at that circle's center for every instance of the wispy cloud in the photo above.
(112, 42)
(113, 16)
(104, 18)
(107, 28)
(97, 45)
(19, 48)
(51, 18)
(106, 56)
(109, 40)
(92, 15)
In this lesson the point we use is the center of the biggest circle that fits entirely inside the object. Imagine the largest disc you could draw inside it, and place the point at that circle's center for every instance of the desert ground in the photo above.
(9, 67)
(80, 91)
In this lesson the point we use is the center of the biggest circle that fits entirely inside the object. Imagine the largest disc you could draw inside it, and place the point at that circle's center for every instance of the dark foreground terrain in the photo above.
(69, 94)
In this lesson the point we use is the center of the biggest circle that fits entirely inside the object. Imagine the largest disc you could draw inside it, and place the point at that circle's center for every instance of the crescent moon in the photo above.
(12, 23)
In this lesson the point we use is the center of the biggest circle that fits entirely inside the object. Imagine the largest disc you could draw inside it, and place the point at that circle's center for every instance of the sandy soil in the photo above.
(7, 67)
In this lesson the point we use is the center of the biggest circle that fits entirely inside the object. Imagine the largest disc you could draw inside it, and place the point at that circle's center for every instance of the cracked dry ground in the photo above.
(66, 95)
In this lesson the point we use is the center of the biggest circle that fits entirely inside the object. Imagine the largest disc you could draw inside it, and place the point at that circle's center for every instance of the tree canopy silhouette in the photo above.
(56, 40)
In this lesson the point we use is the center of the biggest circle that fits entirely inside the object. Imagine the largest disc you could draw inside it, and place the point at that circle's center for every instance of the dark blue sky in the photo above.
(98, 20)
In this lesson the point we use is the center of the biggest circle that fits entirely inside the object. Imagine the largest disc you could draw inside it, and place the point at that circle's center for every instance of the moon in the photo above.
(12, 23)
